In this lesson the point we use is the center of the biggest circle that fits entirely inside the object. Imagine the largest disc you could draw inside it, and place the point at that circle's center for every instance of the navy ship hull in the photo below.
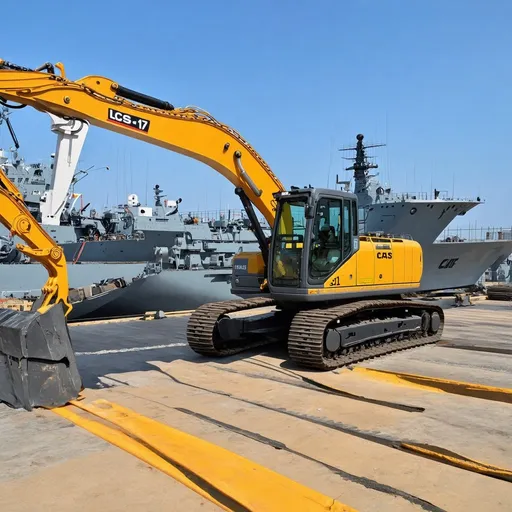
(449, 265)
(20, 280)
(446, 266)
(118, 251)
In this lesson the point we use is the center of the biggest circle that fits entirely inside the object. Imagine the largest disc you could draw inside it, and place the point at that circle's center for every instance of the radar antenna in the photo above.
(361, 160)
(361, 164)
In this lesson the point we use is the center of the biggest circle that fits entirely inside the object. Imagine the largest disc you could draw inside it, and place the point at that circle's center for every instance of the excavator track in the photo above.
(306, 340)
(201, 329)
(307, 332)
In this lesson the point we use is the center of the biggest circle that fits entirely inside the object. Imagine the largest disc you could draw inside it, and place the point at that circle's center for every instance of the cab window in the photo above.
(333, 229)
(289, 243)
(326, 244)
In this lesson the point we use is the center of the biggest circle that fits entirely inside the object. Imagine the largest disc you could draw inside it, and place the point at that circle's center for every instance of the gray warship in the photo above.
(447, 265)
(449, 262)
(121, 242)
(47, 196)
(88, 291)
(117, 245)
(175, 261)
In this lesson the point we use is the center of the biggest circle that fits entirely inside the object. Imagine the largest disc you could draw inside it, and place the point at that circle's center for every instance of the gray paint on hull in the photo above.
(88, 308)
(178, 290)
(119, 250)
(472, 260)
(173, 290)
(403, 217)
(16, 279)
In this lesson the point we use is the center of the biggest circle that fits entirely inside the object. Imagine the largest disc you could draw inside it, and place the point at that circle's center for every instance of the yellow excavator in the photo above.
(335, 295)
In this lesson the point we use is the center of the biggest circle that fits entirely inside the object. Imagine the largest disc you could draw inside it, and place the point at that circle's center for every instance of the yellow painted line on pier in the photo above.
(225, 478)
(459, 461)
(438, 385)
(130, 445)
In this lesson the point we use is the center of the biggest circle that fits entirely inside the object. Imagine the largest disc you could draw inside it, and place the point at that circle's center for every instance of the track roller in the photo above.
(328, 338)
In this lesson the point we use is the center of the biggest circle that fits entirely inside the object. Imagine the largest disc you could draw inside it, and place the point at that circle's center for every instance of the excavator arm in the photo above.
(37, 364)
(189, 131)
(40, 246)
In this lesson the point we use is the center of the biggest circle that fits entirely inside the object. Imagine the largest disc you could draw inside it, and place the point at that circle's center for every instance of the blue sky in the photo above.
(298, 80)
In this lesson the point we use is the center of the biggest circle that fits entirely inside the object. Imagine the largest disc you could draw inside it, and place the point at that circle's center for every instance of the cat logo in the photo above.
(384, 255)
(448, 263)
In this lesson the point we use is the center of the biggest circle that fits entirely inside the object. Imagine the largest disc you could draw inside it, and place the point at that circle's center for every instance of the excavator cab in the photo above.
(314, 234)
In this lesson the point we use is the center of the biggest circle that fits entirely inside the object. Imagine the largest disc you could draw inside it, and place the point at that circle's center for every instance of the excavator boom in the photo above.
(41, 337)
(40, 246)
(189, 131)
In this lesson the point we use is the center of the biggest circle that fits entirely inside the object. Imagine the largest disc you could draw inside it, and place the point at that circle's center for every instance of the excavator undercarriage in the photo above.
(323, 337)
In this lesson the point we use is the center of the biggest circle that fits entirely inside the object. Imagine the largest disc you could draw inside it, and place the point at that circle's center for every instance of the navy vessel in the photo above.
(425, 217)
(446, 264)
(175, 261)
(116, 246)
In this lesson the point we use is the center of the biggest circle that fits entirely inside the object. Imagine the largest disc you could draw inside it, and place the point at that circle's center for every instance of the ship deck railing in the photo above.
(423, 196)
(475, 234)
(217, 215)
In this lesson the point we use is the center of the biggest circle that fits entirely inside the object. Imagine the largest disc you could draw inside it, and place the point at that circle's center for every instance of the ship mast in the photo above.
(361, 166)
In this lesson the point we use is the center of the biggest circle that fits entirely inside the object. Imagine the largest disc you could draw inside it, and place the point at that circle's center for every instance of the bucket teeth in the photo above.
(37, 364)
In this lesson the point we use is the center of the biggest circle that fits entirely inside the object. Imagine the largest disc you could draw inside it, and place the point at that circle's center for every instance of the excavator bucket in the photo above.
(37, 363)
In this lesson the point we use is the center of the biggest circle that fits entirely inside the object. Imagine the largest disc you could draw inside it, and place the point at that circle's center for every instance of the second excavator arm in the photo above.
(189, 131)
(40, 245)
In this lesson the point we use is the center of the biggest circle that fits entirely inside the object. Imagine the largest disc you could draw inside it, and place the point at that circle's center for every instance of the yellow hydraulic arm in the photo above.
(189, 131)
(102, 102)
(41, 246)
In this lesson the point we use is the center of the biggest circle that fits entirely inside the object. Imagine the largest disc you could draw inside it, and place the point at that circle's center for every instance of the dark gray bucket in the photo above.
(37, 363)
